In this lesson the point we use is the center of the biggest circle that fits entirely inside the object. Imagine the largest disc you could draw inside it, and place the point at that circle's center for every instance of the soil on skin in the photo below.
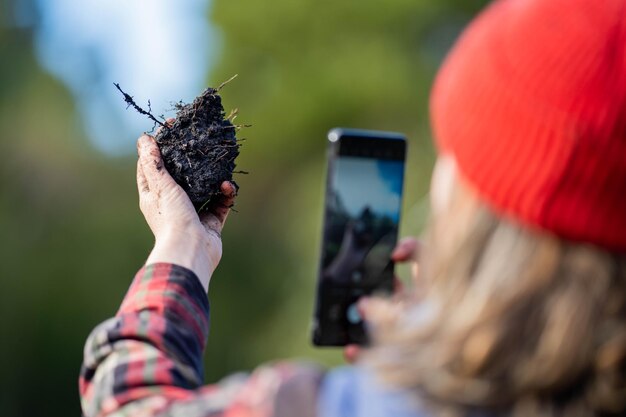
(199, 148)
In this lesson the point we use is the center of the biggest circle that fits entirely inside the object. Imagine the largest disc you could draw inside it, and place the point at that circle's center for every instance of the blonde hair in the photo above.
(511, 320)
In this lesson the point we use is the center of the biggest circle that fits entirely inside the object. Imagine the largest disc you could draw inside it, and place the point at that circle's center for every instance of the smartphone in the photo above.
(364, 185)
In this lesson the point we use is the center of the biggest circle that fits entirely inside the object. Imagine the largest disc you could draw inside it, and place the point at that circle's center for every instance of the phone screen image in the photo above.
(361, 220)
(363, 212)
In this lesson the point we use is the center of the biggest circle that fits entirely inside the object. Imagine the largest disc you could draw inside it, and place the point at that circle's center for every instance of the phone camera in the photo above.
(352, 314)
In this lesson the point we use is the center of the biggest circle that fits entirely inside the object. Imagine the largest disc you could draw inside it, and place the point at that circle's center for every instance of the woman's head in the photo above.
(525, 263)
(531, 103)
(511, 317)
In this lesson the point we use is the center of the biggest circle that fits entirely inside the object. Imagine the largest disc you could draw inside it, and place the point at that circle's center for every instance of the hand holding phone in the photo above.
(406, 251)
(361, 219)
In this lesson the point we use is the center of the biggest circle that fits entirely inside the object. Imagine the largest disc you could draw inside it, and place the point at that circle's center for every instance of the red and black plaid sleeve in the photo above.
(147, 360)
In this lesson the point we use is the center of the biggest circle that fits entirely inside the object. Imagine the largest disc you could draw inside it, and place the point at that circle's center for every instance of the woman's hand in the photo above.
(181, 237)
(405, 251)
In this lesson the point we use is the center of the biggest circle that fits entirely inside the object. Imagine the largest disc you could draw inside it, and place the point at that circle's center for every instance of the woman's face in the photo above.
(441, 190)
(442, 184)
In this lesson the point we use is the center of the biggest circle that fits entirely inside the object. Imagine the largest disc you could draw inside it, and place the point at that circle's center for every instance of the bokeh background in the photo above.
(71, 235)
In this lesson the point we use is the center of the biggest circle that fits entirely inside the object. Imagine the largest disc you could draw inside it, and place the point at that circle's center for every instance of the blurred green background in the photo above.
(71, 234)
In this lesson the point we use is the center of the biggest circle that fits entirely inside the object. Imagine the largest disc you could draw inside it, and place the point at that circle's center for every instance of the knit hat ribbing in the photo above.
(531, 102)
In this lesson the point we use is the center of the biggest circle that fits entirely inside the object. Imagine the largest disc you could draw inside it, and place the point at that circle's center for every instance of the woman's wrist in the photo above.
(190, 249)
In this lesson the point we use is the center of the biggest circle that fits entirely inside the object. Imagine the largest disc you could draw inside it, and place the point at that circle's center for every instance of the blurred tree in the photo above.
(71, 235)
(306, 66)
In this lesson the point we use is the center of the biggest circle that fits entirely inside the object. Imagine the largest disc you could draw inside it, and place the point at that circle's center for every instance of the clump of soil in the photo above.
(199, 147)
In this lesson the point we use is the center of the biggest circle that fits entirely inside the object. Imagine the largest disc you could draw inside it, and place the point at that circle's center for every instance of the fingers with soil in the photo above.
(229, 191)
(142, 182)
(152, 165)
(167, 124)
(226, 201)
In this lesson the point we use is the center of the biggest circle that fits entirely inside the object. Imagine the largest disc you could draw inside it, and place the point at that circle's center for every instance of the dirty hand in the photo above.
(181, 236)
(405, 251)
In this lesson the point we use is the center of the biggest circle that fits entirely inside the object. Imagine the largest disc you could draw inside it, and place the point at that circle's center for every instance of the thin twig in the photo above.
(204, 205)
(131, 102)
(236, 127)
(226, 82)
(220, 157)
(232, 115)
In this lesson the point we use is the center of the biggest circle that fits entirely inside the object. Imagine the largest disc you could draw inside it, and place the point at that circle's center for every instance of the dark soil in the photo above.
(199, 148)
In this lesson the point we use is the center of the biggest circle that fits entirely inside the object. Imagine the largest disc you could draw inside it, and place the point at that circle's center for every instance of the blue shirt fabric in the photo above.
(354, 391)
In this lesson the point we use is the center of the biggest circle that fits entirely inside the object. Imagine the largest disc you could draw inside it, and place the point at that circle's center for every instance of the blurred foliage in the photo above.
(71, 234)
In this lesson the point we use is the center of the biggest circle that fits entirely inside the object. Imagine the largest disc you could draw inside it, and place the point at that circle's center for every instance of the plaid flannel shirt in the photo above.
(147, 360)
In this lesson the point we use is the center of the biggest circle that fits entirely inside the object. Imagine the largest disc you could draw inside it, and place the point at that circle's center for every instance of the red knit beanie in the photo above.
(531, 102)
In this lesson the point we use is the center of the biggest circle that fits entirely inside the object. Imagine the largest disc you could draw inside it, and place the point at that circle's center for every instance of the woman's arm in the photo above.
(150, 353)
(147, 360)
